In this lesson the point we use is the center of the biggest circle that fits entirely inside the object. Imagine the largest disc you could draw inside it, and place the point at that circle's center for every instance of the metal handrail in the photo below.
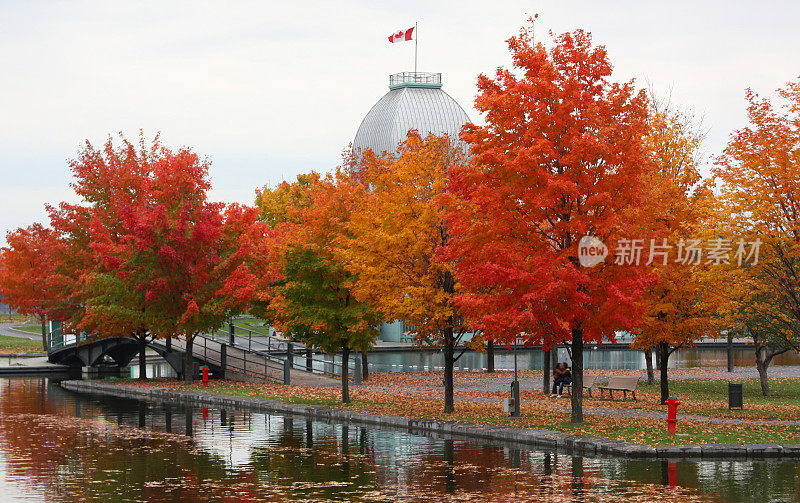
(57, 339)
(200, 345)
(275, 346)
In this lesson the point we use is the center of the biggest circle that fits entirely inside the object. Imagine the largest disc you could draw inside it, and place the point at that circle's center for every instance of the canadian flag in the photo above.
(402, 35)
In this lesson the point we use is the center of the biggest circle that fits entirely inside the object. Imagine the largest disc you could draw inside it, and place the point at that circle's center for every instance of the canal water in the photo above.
(57, 446)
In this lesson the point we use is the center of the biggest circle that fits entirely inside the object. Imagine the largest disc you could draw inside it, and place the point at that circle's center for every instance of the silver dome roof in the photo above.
(415, 101)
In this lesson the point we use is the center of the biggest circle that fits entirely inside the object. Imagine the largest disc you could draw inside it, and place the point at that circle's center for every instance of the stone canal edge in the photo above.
(527, 437)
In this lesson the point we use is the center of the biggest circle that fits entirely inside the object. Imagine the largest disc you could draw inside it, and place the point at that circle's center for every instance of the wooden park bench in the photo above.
(620, 383)
(588, 384)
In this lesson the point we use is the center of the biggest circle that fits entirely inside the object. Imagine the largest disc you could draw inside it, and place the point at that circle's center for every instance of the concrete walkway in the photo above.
(12, 360)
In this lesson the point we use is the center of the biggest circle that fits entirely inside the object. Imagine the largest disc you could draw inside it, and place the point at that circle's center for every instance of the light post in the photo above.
(515, 386)
(729, 336)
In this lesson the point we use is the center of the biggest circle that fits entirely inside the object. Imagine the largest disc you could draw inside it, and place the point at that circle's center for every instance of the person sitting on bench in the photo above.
(561, 377)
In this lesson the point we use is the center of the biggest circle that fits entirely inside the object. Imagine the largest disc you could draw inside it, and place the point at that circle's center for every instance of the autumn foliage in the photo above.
(759, 175)
(312, 297)
(144, 254)
(682, 304)
(561, 156)
(28, 279)
(489, 244)
(397, 234)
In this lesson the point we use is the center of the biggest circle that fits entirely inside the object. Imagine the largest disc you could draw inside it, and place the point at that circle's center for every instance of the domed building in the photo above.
(417, 101)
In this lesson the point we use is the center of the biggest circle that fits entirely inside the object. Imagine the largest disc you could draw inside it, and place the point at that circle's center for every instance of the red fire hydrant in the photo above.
(205, 376)
(672, 413)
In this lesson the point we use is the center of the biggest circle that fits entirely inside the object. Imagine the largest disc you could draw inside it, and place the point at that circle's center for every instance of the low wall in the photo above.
(542, 439)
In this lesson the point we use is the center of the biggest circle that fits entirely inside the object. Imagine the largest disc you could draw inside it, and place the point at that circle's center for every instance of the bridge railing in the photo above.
(277, 349)
(57, 339)
(236, 359)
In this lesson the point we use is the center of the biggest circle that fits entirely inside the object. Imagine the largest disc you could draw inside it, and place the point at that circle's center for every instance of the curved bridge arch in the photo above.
(90, 354)
(121, 350)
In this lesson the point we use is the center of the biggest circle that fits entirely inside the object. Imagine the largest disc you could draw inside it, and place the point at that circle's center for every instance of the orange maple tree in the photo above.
(561, 156)
(759, 172)
(396, 235)
(27, 269)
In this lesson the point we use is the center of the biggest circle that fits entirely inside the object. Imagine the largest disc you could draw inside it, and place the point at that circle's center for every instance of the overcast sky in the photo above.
(269, 89)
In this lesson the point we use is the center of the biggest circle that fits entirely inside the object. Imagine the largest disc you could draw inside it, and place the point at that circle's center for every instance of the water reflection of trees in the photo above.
(70, 447)
(503, 473)
(65, 450)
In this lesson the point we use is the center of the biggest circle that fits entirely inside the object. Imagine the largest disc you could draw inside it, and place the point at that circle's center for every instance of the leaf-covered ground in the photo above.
(19, 345)
(705, 417)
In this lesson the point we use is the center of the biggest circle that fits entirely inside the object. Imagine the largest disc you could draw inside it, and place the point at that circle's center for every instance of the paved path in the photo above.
(468, 383)
(34, 362)
(6, 329)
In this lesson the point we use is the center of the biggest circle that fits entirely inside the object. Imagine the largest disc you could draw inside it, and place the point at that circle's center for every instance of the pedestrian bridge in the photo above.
(243, 351)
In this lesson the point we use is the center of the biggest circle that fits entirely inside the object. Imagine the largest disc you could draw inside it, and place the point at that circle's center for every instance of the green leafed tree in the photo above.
(312, 301)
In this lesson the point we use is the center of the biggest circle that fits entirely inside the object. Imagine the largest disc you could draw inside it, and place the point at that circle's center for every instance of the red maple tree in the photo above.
(168, 263)
(27, 267)
(560, 157)
(143, 255)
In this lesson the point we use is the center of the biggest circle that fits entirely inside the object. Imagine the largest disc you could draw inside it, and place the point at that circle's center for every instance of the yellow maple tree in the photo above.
(396, 235)
(681, 305)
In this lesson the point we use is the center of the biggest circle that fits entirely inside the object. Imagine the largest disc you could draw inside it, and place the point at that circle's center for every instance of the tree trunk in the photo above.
(489, 356)
(449, 362)
(188, 361)
(345, 369)
(546, 372)
(648, 360)
(364, 366)
(663, 359)
(577, 375)
(762, 364)
(142, 361)
(44, 332)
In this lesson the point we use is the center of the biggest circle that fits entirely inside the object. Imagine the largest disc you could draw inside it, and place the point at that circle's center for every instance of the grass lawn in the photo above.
(19, 345)
(33, 329)
(784, 391)
(230, 389)
(709, 397)
(244, 325)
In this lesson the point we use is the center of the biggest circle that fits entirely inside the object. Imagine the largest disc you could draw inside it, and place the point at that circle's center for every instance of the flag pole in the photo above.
(416, 38)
